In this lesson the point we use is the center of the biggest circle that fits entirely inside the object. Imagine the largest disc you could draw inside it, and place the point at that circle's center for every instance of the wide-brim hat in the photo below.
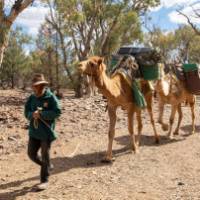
(39, 79)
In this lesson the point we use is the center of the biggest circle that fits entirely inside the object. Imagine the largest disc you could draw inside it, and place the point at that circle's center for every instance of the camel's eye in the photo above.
(92, 64)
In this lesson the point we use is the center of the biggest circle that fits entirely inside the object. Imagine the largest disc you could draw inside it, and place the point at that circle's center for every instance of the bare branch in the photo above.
(56, 26)
(194, 27)
(17, 8)
(51, 13)
(76, 45)
(196, 12)
(107, 38)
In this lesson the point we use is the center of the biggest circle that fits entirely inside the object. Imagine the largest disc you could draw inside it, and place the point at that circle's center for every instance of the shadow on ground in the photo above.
(62, 164)
(146, 140)
(188, 129)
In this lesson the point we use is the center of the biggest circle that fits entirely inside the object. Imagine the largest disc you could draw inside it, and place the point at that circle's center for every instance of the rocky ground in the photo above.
(168, 171)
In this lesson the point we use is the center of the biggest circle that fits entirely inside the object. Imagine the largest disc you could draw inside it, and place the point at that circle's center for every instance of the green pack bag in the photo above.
(150, 72)
(190, 67)
(138, 96)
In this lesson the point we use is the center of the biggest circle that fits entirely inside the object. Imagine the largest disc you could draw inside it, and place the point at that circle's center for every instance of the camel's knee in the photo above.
(140, 126)
(171, 121)
(160, 118)
(165, 127)
(153, 121)
(111, 134)
(193, 116)
(130, 129)
(149, 108)
(180, 118)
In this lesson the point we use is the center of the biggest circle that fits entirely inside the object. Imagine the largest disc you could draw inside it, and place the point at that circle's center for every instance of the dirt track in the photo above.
(168, 171)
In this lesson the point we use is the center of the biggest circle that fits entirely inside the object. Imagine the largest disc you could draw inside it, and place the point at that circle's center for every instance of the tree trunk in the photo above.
(79, 87)
(50, 68)
(4, 35)
(12, 77)
(12, 81)
(57, 68)
(7, 20)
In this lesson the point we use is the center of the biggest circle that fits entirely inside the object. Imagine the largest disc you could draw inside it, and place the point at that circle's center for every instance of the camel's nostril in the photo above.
(80, 67)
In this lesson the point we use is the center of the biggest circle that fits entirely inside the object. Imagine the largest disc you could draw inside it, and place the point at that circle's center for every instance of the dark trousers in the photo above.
(33, 147)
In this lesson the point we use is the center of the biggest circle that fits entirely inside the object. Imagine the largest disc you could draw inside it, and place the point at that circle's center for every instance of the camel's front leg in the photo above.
(176, 132)
(149, 108)
(171, 120)
(131, 131)
(192, 105)
(139, 120)
(165, 127)
(111, 133)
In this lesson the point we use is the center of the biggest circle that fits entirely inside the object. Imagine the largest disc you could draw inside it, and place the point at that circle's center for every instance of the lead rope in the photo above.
(36, 125)
(91, 97)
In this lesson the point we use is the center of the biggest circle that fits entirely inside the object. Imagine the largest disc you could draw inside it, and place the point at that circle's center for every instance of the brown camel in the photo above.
(118, 92)
(172, 91)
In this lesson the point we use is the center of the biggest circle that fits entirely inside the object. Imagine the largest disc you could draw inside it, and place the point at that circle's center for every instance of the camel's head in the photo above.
(93, 66)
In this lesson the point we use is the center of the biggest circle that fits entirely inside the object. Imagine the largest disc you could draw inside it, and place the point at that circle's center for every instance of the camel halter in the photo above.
(91, 97)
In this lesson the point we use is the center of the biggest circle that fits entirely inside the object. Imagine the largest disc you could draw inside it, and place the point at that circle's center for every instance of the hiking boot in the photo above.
(42, 186)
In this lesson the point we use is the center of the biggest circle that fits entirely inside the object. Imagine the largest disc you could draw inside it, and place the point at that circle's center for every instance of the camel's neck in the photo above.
(105, 85)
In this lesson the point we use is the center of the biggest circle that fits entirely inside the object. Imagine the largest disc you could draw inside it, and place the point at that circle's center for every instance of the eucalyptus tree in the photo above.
(162, 41)
(16, 60)
(185, 39)
(55, 21)
(187, 44)
(193, 16)
(7, 19)
(102, 26)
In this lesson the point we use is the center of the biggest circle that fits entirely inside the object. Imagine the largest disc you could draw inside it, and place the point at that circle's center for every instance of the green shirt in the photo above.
(50, 111)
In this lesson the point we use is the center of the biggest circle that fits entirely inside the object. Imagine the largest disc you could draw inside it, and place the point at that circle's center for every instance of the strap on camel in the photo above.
(138, 97)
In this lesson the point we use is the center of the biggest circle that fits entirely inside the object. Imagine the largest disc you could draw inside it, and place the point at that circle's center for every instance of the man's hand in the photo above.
(36, 114)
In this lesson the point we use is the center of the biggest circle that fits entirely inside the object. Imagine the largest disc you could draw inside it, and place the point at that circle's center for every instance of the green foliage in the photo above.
(182, 44)
(162, 41)
(194, 50)
(186, 42)
(100, 27)
(15, 64)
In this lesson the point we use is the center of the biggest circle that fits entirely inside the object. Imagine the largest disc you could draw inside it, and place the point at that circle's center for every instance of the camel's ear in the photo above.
(100, 60)
(92, 64)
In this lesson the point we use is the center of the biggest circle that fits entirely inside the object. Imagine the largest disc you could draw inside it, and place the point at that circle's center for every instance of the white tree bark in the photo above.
(7, 21)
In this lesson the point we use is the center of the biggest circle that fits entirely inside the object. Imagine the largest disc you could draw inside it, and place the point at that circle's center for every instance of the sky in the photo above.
(164, 16)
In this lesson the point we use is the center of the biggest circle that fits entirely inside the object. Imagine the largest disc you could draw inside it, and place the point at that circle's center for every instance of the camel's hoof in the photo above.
(165, 127)
(136, 150)
(138, 144)
(108, 160)
(193, 132)
(176, 133)
(171, 137)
